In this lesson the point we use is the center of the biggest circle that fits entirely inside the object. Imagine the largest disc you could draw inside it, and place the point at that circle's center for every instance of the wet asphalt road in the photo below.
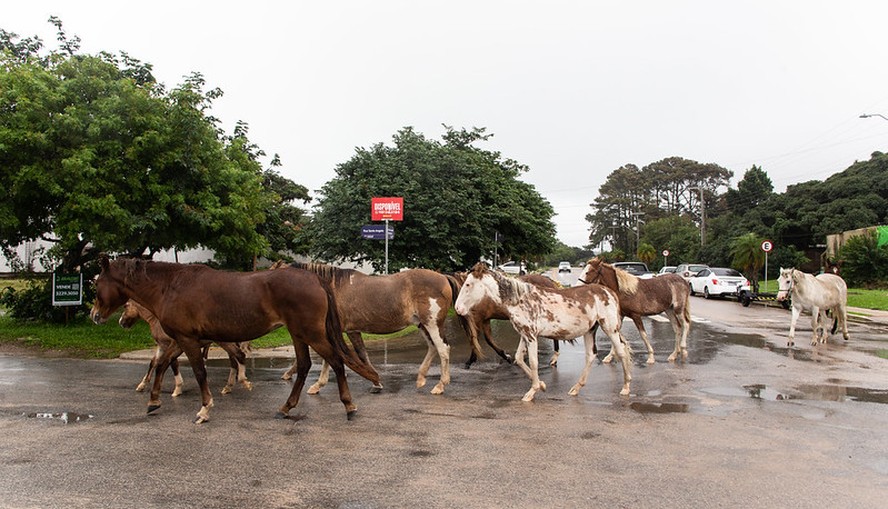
(745, 422)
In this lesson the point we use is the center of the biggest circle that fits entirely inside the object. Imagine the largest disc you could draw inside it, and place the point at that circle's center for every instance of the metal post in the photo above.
(386, 235)
(766, 269)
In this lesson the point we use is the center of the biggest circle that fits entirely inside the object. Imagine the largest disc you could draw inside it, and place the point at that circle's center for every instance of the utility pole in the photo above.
(702, 215)
(638, 222)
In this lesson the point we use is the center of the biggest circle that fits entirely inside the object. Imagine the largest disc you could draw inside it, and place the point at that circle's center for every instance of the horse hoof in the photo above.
(199, 420)
(468, 365)
(281, 415)
(350, 414)
(376, 389)
(438, 389)
(152, 408)
(226, 390)
(651, 360)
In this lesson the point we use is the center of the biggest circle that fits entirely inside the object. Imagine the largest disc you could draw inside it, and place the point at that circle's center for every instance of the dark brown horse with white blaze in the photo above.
(195, 302)
(168, 351)
(644, 297)
(553, 313)
(483, 312)
(387, 304)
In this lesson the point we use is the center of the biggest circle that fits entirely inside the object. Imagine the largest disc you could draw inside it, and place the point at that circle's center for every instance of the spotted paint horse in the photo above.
(555, 313)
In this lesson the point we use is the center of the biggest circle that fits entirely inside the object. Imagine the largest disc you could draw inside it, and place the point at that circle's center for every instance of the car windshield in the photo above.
(726, 272)
(635, 268)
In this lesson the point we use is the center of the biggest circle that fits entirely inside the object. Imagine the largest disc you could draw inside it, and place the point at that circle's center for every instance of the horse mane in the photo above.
(626, 282)
(334, 275)
(510, 289)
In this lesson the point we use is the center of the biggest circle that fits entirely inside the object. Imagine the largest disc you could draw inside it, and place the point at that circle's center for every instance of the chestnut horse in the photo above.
(554, 313)
(387, 304)
(168, 349)
(644, 297)
(195, 302)
(481, 314)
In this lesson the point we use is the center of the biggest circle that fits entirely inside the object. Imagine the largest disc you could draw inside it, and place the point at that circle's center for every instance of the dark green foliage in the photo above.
(34, 303)
(864, 262)
(456, 197)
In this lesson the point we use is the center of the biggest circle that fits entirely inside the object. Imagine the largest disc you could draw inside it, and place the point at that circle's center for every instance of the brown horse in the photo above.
(195, 302)
(481, 314)
(387, 304)
(168, 351)
(644, 297)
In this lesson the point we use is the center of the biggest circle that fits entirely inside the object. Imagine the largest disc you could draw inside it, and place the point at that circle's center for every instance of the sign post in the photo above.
(67, 289)
(387, 209)
(665, 257)
(767, 246)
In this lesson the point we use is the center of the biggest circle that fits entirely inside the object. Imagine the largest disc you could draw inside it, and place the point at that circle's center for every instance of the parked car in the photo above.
(688, 270)
(669, 269)
(717, 282)
(635, 268)
(564, 267)
(513, 268)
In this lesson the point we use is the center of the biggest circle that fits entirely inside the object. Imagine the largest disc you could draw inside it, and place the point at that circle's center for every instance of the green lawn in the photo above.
(857, 297)
(85, 339)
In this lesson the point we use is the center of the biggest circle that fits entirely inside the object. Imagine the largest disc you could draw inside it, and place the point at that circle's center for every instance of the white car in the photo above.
(717, 282)
(564, 267)
(513, 268)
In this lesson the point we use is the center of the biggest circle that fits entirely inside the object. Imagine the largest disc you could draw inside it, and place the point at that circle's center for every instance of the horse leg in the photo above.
(301, 365)
(151, 365)
(168, 354)
(589, 343)
(323, 378)
(473, 327)
(358, 342)
(555, 353)
(796, 311)
(192, 350)
(238, 372)
(680, 328)
(533, 357)
(842, 316)
(436, 338)
(644, 337)
(815, 324)
(177, 376)
(488, 336)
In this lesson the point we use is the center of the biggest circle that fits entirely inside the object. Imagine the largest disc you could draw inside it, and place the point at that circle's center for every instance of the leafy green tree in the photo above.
(456, 196)
(752, 190)
(95, 155)
(646, 253)
(678, 234)
(747, 255)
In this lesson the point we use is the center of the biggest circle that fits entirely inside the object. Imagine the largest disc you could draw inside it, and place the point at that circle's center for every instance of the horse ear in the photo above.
(104, 262)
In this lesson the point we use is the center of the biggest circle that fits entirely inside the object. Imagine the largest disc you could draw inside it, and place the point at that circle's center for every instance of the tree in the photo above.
(646, 253)
(95, 155)
(747, 255)
(456, 197)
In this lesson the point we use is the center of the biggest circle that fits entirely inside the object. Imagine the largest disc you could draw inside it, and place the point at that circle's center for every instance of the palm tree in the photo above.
(646, 253)
(747, 254)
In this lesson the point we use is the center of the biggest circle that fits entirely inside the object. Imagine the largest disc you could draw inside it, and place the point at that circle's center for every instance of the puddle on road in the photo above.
(822, 392)
(65, 417)
(659, 408)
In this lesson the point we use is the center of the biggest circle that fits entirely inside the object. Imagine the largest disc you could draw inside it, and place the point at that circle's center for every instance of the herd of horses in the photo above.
(189, 306)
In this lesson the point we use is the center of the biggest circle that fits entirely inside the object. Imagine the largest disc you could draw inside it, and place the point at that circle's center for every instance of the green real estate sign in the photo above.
(67, 289)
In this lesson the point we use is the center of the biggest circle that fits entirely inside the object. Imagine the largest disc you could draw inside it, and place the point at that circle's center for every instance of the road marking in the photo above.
(662, 319)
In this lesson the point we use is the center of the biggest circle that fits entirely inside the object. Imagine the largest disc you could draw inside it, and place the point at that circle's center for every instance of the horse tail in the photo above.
(333, 326)
(835, 324)
(470, 330)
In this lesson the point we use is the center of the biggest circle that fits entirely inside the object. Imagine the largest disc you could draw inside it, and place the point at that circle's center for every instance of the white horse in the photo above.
(563, 314)
(826, 292)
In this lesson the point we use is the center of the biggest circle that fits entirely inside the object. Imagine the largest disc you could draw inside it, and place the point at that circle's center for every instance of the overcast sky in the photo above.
(573, 89)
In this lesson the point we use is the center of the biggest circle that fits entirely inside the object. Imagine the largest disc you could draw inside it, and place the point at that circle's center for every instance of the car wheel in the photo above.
(706, 292)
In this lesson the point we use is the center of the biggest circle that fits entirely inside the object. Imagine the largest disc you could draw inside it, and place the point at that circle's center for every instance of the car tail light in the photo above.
(714, 282)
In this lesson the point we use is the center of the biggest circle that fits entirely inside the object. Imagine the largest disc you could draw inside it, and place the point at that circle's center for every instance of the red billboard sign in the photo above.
(391, 209)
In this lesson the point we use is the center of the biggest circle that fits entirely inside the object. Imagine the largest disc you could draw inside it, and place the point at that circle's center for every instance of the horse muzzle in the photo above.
(97, 317)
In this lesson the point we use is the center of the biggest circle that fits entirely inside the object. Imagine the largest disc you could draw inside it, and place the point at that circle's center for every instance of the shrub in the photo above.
(864, 262)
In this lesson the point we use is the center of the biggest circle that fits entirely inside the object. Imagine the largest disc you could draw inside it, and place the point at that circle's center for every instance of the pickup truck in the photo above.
(635, 268)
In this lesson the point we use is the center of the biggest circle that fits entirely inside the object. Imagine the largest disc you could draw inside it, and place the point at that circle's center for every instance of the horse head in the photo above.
(131, 314)
(591, 272)
(109, 293)
(480, 282)
(785, 282)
